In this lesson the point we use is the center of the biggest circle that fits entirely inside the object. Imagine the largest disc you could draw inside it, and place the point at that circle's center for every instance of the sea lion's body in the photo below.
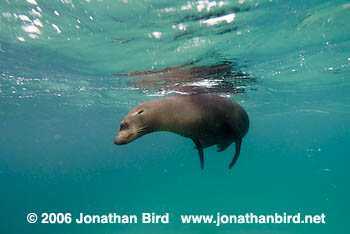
(207, 119)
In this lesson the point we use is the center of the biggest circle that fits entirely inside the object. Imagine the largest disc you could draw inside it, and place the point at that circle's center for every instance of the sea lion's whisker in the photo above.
(142, 129)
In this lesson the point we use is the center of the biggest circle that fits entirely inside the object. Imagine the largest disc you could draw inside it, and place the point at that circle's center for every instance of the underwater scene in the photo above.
(76, 157)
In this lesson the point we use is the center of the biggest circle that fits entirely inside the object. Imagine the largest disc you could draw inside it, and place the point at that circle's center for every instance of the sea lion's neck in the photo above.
(172, 115)
(167, 115)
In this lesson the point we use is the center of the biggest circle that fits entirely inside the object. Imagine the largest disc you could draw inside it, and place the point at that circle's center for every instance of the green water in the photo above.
(61, 105)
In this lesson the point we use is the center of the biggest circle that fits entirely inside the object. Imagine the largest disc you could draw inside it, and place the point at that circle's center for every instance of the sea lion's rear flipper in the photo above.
(200, 151)
(205, 143)
(238, 149)
(222, 147)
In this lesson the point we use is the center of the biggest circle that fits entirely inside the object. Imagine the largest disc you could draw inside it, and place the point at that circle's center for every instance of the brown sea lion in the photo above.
(207, 119)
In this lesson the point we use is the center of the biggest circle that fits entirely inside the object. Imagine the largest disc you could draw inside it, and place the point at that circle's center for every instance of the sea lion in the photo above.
(207, 119)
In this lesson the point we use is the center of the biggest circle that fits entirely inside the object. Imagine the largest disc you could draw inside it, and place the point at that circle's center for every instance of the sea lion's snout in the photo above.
(118, 140)
(123, 137)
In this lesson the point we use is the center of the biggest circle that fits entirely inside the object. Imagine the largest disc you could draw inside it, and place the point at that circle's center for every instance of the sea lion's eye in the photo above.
(124, 126)
(140, 111)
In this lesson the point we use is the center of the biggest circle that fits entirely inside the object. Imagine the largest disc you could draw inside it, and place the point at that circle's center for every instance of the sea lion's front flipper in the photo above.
(238, 149)
(200, 151)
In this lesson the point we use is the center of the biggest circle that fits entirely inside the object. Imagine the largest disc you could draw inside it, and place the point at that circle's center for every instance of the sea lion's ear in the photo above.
(137, 113)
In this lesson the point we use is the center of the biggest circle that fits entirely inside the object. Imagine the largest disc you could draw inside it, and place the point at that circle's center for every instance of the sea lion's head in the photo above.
(134, 125)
